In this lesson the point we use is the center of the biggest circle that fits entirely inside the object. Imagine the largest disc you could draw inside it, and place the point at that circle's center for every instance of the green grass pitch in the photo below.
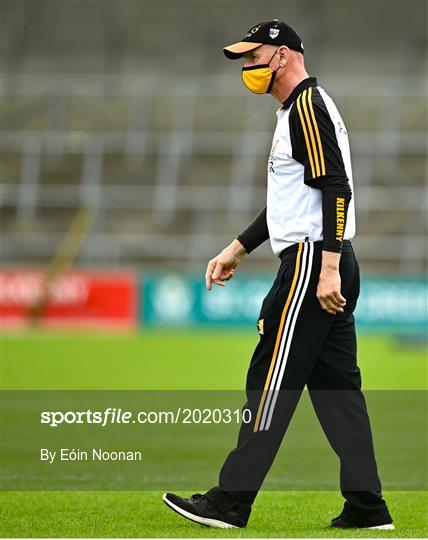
(207, 360)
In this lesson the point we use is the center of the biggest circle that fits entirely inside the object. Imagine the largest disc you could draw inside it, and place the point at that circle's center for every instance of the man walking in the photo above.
(306, 323)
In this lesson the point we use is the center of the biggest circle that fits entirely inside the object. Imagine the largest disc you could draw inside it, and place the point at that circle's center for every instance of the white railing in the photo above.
(181, 143)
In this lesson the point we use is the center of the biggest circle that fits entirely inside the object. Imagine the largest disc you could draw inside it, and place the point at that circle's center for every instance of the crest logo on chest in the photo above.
(272, 155)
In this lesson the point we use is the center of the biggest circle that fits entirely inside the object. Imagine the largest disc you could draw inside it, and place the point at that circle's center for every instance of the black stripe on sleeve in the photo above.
(313, 137)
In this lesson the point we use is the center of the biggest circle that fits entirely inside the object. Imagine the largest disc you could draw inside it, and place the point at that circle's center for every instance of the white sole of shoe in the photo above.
(386, 527)
(208, 522)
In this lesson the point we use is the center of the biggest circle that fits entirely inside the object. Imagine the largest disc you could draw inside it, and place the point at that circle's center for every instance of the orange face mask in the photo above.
(260, 78)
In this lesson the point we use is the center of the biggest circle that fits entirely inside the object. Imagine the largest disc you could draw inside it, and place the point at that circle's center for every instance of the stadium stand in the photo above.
(143, 123)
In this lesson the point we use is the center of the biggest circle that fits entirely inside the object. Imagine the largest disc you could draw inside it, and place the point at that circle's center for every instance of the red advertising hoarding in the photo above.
(77, 299)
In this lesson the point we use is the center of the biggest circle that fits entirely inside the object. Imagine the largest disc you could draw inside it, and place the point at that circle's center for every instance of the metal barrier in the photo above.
(177, 140)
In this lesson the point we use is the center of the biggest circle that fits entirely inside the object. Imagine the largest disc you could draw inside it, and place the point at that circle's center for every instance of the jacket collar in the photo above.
(306, 83)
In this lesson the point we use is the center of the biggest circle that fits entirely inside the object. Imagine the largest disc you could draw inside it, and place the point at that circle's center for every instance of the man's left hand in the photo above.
(328, 290)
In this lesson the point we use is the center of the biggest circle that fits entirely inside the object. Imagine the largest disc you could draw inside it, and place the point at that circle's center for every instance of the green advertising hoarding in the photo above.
(173, 299)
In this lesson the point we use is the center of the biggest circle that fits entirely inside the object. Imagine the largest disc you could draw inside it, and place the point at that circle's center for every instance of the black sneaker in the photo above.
(199, 509)
(340, 523)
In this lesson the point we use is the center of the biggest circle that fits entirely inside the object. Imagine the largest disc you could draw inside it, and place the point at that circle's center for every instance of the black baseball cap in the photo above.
(269, 32)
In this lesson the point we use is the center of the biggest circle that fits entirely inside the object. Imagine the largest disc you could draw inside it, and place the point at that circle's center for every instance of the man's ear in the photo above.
(284, 53)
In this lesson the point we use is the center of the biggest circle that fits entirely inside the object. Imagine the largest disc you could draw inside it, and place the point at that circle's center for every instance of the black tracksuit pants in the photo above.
(301, 344)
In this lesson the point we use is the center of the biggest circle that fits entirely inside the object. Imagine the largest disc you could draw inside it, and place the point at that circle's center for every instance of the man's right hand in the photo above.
(222, 267)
